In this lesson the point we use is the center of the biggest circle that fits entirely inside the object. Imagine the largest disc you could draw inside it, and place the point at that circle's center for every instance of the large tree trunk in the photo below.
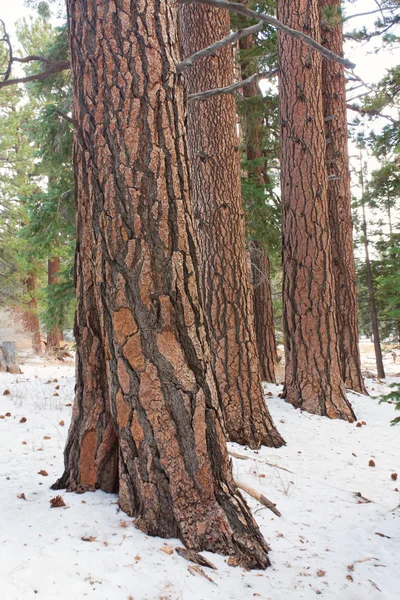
(53, 268)
(227, 295)
(339, 199)
(263, 311)
(31, 315)
(312, 374)
(132, 184)
(260, 272)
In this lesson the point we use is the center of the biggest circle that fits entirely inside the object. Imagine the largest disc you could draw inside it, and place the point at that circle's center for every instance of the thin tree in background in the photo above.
(215, 169)
(370, 280)
(339, 197)
(132, 188)
(312, 374)
(54, 336)
(31, 314)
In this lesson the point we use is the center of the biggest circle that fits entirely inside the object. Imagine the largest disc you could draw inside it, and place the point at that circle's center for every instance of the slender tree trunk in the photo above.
(31, 316)
(227, 294)
(260, 272)
(132, 187)
(312, 375)
(53, 268)
(371, 298)
(263, 311)
(339, 200)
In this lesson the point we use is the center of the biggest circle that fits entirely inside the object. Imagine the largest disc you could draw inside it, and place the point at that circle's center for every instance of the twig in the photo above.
(259, 16)
(210, 50)
(257, 496)
(264, 462)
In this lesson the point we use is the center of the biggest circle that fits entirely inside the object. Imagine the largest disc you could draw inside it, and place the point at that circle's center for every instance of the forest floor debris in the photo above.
(330, 541)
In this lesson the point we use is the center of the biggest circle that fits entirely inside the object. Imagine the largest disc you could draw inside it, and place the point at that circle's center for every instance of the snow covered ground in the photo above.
(328, 542)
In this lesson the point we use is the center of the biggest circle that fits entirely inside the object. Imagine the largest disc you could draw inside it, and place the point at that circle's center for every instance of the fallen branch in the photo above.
(257, 496)
(259, 16)
(264, 462)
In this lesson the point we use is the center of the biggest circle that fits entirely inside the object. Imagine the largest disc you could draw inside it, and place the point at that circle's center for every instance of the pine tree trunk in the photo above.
(53, 268)
(132, 187)
(263, 307)
(339, 200)
(312, 374)
(227, 294)
(371, 298)
(31, 317)
(263, 311)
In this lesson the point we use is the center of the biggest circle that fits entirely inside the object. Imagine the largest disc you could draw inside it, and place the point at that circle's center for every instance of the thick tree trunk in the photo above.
(132, 184)
(339, 200)
(312, 374)
(31, 316)
(227, 294)
(263, 311)
(9, 358)
(260, 273)
(53, 268)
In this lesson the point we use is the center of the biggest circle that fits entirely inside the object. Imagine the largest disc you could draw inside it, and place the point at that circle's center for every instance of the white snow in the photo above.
(326, 534)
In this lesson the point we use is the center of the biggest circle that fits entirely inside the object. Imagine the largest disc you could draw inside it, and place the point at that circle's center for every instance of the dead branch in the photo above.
(257, 496)
(372, 112)
(55, 68)
(259, 16)
(231, 89)
(264, 462)
(210, 50)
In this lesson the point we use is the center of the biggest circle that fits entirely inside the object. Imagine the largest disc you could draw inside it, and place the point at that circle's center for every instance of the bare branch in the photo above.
(55, 68)
(66, 117)
(371, 12)
(31, 58)
(372, 112)
(252, 14)
(231, 89)
(210, 50)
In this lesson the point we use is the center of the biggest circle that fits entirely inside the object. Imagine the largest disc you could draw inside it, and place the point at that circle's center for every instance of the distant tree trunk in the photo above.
(339, 199)
(53, 268)
(263, 307)
(133, 190)
(312, 374)
(371, 299)
(263, 311)
(227, 295)
(31, 316)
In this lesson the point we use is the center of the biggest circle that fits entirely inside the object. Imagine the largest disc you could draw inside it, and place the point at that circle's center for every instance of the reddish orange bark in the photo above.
(31, 317)
(53, 268)
(312, 375)
(139, 247)
(339, 199)
(227, 294)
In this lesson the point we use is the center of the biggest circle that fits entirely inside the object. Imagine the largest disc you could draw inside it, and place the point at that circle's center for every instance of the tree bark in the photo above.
(31, 315)
(312, 374)
(132, 183)
(263, 311)
(339, 200)
(227, 294)
(53, 268)
(260, 272)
